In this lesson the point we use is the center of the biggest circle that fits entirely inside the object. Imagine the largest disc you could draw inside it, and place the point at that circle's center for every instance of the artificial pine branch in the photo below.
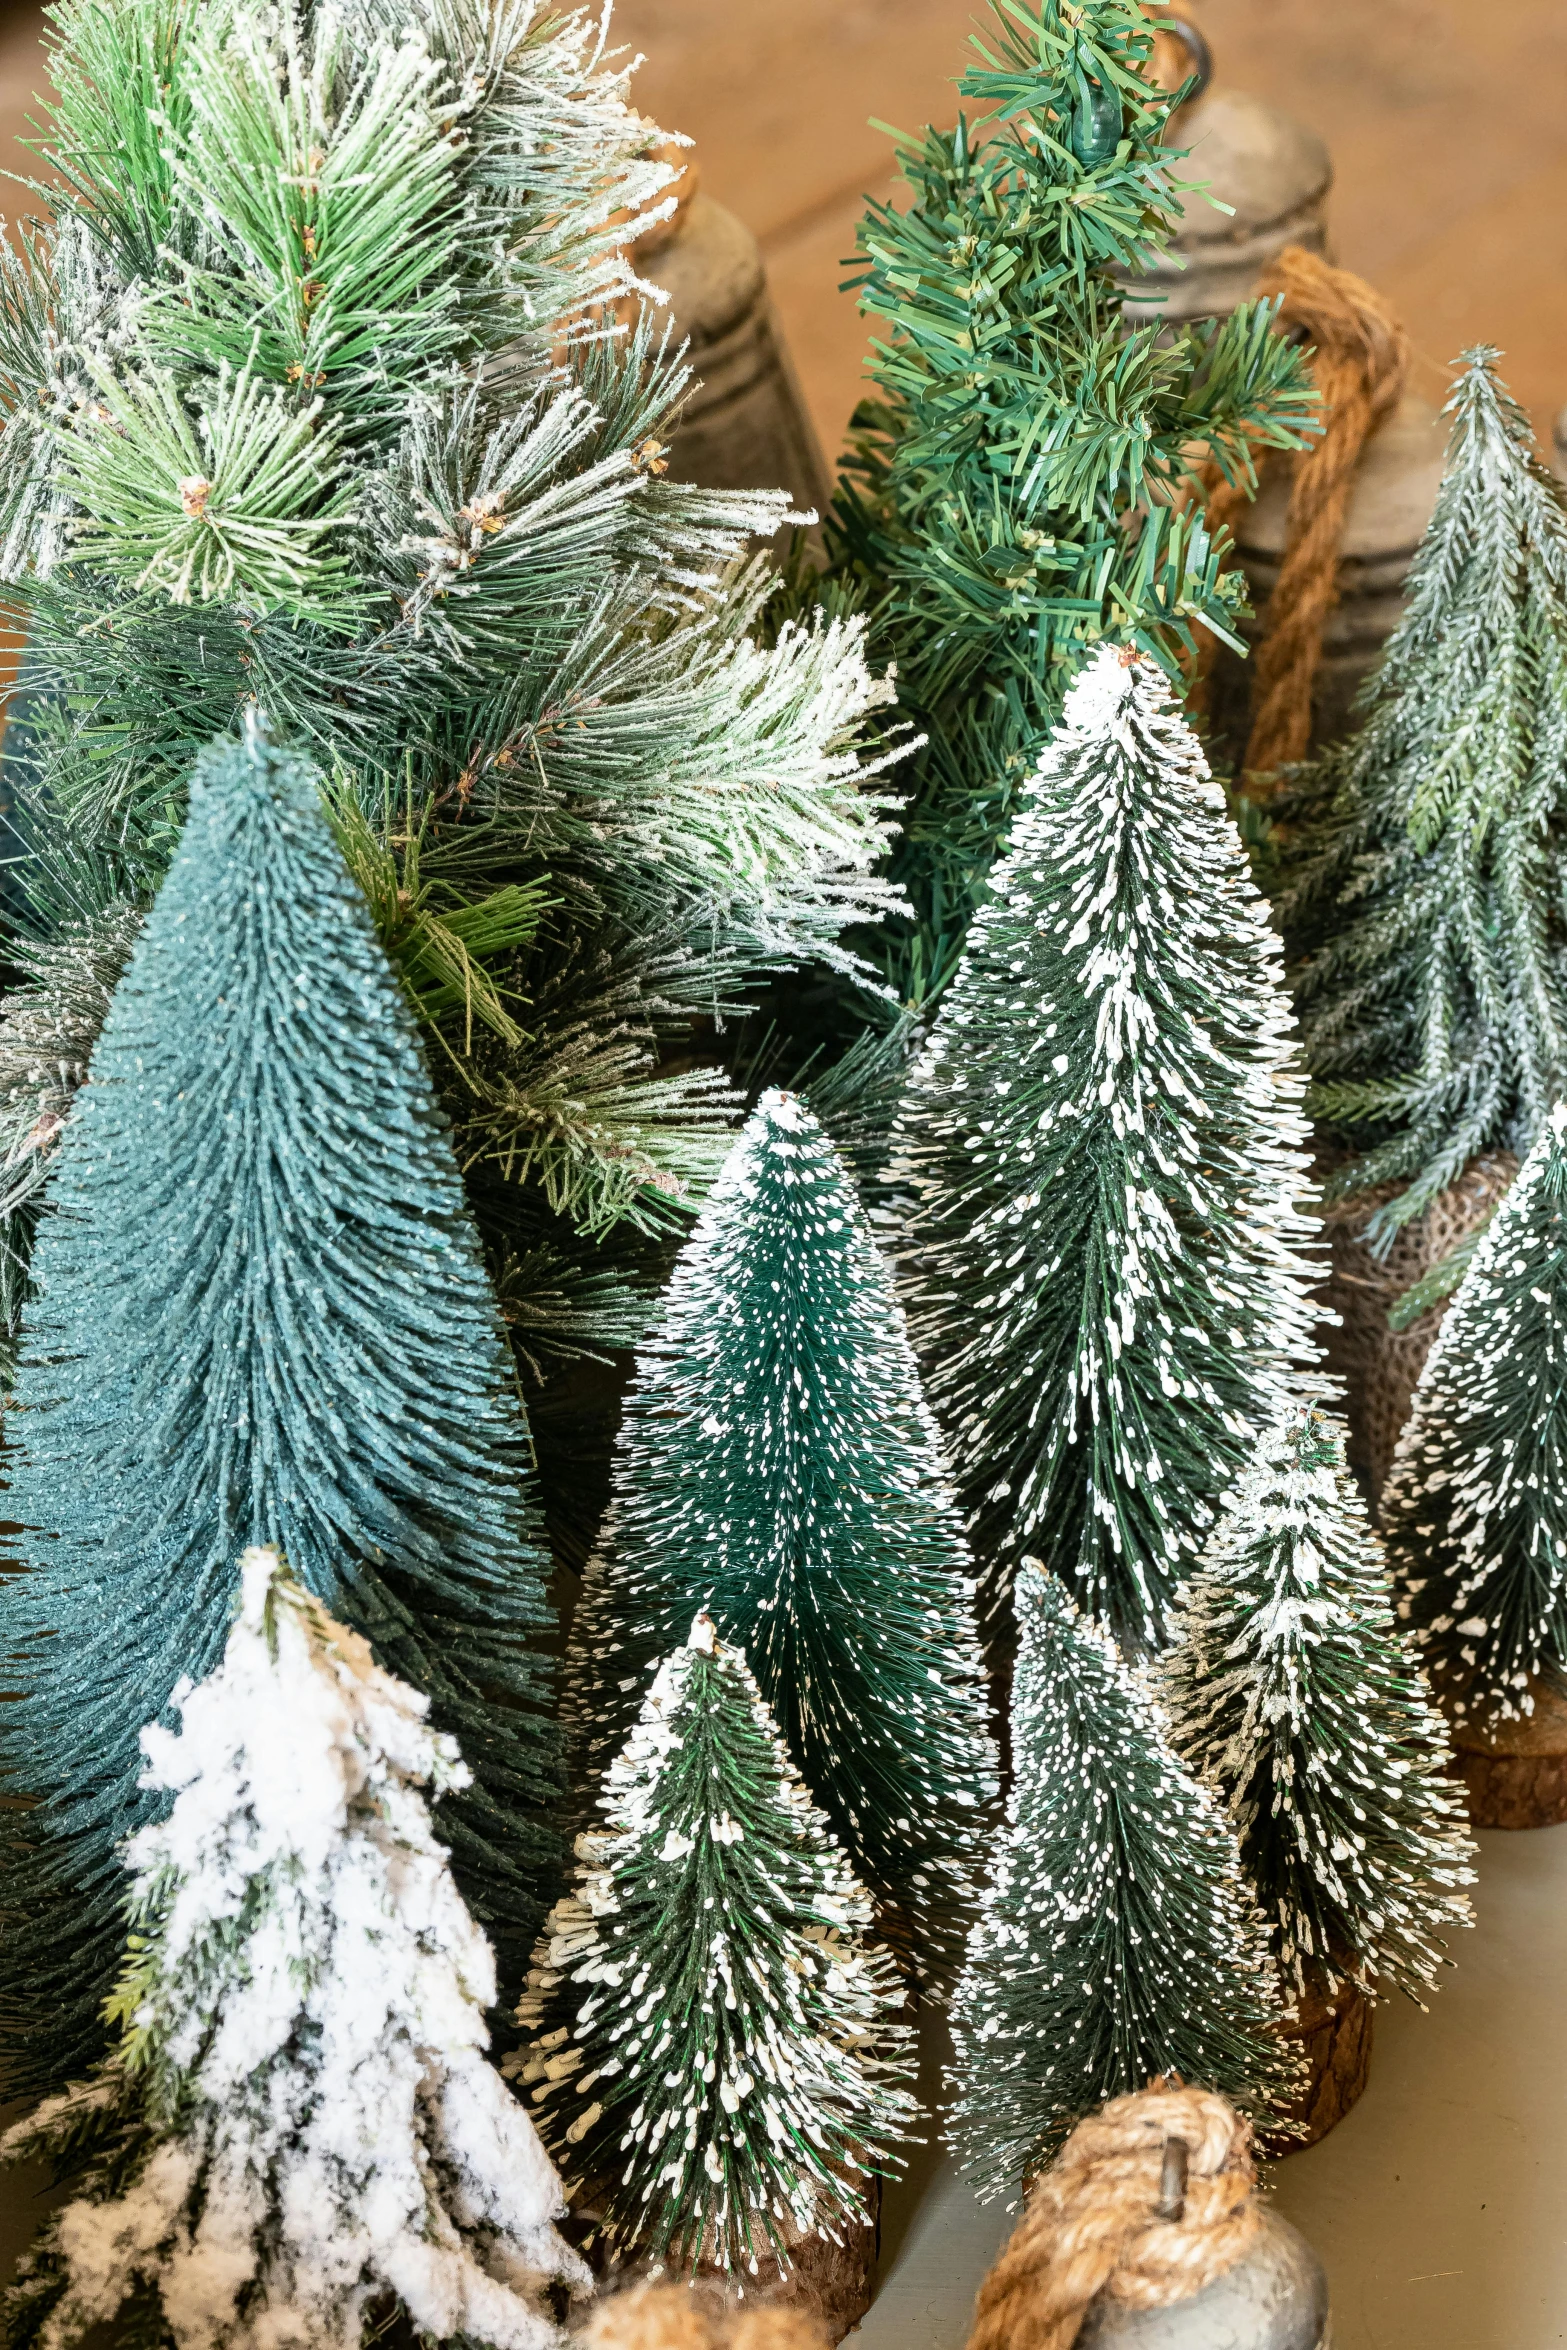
(1421, 891)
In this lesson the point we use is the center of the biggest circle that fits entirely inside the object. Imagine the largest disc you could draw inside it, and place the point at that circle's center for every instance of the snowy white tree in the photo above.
(1476, 1505)
(714, 2050)
(1118, 1938)
(299, 2123)
(1293, 1695)
(1104, 1153)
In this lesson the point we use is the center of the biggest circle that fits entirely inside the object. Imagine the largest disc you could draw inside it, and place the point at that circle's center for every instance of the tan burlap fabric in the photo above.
(1091, 2224)
(1359, 359)
(680, 2317)
(1380, 1367)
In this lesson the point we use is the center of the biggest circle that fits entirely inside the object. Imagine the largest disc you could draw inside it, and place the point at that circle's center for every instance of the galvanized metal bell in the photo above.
(1275, 2297)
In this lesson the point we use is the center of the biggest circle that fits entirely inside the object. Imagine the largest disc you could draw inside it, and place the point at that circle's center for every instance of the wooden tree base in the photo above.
(1334, 2035)
(1516, 1772)
(834, 2282)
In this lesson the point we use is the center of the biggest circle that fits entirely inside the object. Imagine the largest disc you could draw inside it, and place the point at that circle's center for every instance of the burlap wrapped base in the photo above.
(834, 2282)
(1379, 1367)
(1333, 2033)
(1515, 1773)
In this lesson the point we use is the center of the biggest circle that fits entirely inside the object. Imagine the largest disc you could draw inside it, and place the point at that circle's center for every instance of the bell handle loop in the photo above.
(1172, 2180)
(1195, 42)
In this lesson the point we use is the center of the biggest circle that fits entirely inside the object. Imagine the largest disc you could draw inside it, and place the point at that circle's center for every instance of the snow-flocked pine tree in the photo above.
(1012, 496)
(1102, 1154)
(1118, 1938)
(1475, 1508)
(311, 396)
(263, 1316)
(1423, 884)
(297, 2127)
(777, 1464)
(1293, 1695)
(714, 2046)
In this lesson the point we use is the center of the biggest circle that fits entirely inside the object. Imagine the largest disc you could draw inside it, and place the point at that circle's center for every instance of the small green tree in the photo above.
(1118, 1938)
(778, 1465)
(263, 1316)
(1292, 1695)
(297, 2127)
(1014, 492)
(1100, 1155)
(1475, 1508)
(713, 2043)
(1422, 884)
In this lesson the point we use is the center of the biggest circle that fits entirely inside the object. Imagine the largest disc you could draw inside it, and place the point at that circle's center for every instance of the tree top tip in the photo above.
(259, 1569)
(703, 1635)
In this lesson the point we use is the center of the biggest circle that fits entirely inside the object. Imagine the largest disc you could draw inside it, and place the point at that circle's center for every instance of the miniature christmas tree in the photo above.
(1117, 1939)
(312, 396)
(1475, 1509)
(713, 2046)
(1101, 1151)
(778, 1465)
(297, 2125)
(1422, 884)
(1014, 494)
(263, 1316)
(1293, 1697)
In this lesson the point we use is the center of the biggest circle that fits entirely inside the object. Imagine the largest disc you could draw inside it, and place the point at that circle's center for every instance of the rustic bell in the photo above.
(1390, 503)
(745, 425)
(1273, 2297)
(1271, 172)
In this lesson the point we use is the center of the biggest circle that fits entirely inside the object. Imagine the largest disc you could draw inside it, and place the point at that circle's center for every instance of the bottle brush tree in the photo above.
(713, 2045)
(312, 396)
(1293, 1695)
(1099, 1157)
(777, 1465)
(296, 2128)
(1015, 491)
(262, 1316)
(1422, 883)
(1475, 1508)
(1118, 1939)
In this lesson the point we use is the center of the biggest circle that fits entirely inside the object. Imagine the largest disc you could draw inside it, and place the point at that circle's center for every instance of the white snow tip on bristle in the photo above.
(703, 1635)
(1559, 1119)
(257, 1567)
(781, 1109)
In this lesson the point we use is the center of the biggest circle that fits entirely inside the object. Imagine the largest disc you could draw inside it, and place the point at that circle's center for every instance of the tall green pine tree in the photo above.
(1475, 1508)
(1293, 1695)
(1100, 1156)
(777, 1465)
(1012, 493)
(263, 1316)
(1118, 1939)
(1422, 883)
(715, 2051)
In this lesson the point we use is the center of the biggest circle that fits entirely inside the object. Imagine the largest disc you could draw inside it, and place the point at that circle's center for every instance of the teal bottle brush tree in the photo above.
(777, 1465)
(1422, 868)
(1118, 1939)
(1016, 491)
(311, 396)
(1295, 1696)
(262, 1315)
(714, 2053)
(296, 2131)
(1099, 1163)
(1476, 1505)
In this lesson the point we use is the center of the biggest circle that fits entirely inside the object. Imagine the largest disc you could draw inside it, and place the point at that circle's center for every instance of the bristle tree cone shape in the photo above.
(1515, 1772)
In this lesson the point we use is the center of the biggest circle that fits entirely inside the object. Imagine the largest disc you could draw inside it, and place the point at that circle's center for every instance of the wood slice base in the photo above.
(831, 2282)
(1515, 1773)
(1334, 2035)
